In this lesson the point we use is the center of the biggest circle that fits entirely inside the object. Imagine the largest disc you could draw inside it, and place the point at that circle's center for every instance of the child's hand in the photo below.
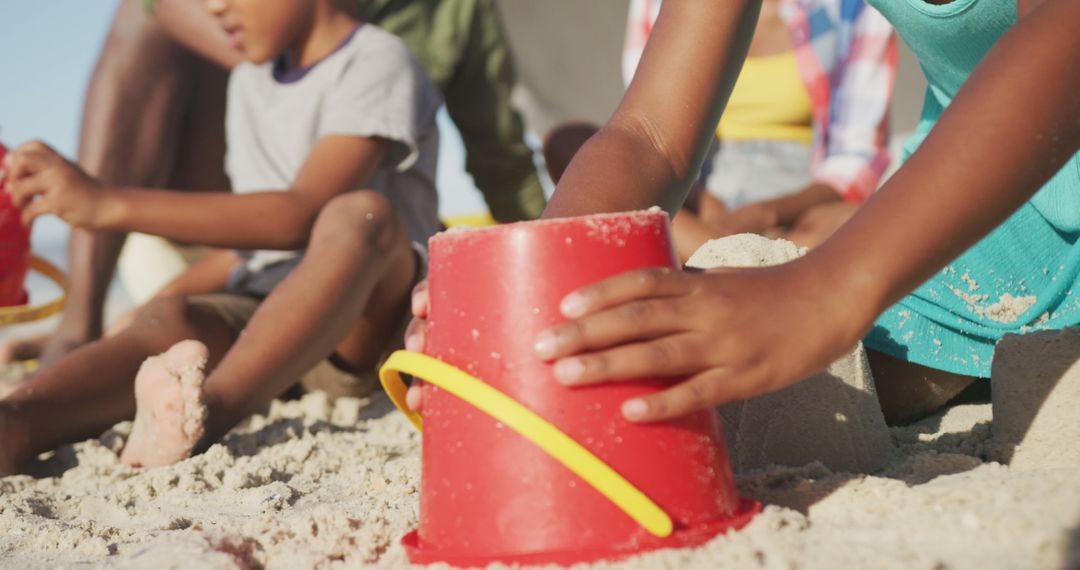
(733, 335)
(43, 182)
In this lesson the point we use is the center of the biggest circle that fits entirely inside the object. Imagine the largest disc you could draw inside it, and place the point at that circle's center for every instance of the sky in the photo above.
(49, 49)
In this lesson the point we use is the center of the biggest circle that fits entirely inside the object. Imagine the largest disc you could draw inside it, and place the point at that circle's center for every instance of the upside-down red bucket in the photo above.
(14, 249)
(488, 494)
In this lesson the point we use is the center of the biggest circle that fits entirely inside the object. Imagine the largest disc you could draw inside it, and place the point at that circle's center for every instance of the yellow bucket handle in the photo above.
(525, 422)
(28, 313)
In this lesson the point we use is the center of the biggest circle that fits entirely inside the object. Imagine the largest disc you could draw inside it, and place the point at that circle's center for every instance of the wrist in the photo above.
(840, 285)
(112, 209)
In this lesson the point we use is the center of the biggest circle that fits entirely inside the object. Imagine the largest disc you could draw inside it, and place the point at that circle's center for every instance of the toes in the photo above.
(187, 352)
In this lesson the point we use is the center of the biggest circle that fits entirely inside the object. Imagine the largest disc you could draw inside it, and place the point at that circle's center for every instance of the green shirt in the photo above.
(461, 45)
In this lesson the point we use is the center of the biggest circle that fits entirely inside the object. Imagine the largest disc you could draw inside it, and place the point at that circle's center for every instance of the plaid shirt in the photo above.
(846, 53)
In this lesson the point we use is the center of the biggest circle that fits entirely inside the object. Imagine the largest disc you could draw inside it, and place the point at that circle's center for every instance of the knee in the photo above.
(361, 217)
(165, 312)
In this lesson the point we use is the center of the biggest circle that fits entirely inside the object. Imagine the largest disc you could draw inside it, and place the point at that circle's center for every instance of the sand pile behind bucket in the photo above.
(832, 417)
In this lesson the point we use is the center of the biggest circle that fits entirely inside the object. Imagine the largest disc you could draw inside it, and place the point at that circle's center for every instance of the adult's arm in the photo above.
(651, 149)
(139, 67)
(478, 100)
(1009, 130)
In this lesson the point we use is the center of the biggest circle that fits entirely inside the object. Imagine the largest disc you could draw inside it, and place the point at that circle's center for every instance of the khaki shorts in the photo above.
(237, 309)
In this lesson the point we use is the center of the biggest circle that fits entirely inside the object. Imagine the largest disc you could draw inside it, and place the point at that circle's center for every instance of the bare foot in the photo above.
(171, 414)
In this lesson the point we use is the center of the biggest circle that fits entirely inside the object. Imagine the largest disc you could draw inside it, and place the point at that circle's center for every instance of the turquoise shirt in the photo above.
(1019, 278)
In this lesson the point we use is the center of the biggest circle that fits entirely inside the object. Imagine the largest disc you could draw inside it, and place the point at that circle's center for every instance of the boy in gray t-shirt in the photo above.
(331, 150)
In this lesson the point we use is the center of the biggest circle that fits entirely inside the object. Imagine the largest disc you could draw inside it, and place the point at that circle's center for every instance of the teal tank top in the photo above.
(1021, 276)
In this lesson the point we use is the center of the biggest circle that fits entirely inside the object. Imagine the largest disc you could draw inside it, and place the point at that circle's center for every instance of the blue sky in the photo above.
(49, 48)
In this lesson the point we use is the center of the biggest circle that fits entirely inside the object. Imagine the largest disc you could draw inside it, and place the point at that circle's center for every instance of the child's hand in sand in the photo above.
(43, 182)
(732, 335)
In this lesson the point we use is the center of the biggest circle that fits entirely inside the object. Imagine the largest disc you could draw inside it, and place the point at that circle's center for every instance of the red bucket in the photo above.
(488, 493)
(14, 249)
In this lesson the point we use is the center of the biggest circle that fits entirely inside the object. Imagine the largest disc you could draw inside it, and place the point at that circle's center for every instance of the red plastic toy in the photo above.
(14, 249)
(489, 494)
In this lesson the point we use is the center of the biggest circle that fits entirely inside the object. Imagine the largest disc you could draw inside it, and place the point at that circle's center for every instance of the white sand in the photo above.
(319, 485)
(315, 485)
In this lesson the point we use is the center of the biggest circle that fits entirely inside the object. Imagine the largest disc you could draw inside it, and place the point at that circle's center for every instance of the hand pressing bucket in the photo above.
(516, 467)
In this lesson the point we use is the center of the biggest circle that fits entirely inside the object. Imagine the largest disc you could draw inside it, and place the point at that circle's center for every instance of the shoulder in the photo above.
(246, 74)
(374, 45)
(377, 57)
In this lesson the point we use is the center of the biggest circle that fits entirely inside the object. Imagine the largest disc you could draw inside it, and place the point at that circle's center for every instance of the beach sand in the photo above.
(315, 484)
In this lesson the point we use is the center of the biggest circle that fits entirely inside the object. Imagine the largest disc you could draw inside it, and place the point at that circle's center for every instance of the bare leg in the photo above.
(352, 284)
(908, 392)
(91, 389)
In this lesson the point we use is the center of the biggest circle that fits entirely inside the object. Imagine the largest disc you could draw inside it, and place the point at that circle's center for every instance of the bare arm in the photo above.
(1009, 130)
(981, 162)
(651, 149)
(43, 182)
(138, 65)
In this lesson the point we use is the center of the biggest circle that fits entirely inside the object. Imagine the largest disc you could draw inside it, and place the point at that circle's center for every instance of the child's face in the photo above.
(262, 29)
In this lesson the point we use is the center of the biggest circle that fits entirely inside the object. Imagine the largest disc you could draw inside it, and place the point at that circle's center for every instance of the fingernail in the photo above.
(573, 305)
(414, 343)
(545, 345)
(569, 370)
(634, 409)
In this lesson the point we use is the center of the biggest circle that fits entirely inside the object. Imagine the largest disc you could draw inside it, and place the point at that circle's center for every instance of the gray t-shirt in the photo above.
(371, 86)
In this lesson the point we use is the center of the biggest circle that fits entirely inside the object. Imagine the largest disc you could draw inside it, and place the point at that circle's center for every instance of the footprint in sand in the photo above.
(171, 414)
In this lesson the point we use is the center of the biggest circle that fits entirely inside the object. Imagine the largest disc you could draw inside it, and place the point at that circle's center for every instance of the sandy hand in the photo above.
(171, 415)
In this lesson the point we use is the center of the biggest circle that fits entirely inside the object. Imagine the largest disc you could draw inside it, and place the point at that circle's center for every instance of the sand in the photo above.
(315, 484)
(832, 417)
(320, 485)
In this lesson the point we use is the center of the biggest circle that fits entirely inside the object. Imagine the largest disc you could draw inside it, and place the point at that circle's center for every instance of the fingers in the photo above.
(31, 211)
(629, 286)
(420, 300)
(416, 335)
(671, 355)
(697, 393)
(24, 190)
(416, 332)
(28, 159)
(414, 398)
(629, 322)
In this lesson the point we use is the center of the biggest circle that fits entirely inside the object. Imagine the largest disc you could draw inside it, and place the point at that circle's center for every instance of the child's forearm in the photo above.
(262, 220)
(1012, 127)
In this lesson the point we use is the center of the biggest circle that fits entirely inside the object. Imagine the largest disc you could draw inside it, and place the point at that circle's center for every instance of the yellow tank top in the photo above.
(769, 102)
